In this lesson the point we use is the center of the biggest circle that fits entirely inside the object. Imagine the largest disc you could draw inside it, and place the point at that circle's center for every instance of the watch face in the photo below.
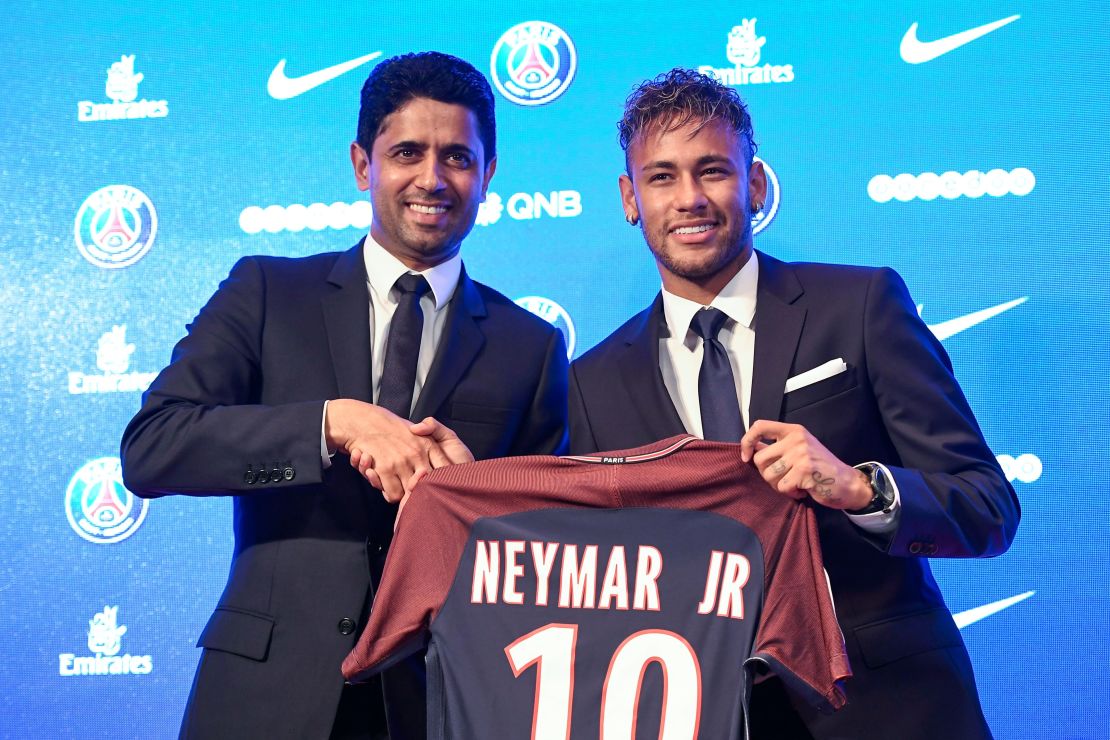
(880, 484)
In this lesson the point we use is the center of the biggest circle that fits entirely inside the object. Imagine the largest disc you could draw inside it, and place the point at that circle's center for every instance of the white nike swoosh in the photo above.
(971, 616)
(916, 52)
(949, 328)
(281, 87)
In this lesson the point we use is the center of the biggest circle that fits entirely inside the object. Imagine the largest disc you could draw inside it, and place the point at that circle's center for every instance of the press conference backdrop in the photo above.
(147, 146)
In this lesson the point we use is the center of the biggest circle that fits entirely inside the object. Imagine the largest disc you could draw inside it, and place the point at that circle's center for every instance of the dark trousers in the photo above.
(361, 713)
(771, 716)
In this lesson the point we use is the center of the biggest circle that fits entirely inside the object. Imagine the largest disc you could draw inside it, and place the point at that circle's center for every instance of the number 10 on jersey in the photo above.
(551, 649)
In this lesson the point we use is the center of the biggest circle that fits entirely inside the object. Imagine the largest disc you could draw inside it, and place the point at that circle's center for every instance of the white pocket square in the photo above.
(819, 373)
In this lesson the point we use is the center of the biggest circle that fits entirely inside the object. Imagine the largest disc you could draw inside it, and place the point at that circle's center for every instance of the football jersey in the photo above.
(629, 594)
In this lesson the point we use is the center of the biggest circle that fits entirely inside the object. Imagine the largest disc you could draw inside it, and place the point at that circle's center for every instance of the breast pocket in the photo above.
(820, 391)
(487, 430)
(477, 414)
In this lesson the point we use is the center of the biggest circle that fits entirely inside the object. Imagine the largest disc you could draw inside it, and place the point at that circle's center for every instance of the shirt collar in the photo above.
(383, 269)
(736, 300)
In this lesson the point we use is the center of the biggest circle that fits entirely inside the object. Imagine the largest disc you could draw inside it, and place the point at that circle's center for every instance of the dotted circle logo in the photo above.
(99, 507)
(1026, 468)
(533, 63)
(115, 226)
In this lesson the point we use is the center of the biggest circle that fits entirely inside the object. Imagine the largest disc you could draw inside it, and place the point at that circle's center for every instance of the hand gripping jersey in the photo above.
(620, 596)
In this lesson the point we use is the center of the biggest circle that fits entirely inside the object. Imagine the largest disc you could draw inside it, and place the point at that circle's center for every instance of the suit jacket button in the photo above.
(275, 475)
(249, 478)
(915, 548)
(932, 550)
(289, 473)
(346, 626)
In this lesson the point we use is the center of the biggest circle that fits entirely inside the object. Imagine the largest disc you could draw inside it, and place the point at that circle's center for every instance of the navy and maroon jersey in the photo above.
(626, 595)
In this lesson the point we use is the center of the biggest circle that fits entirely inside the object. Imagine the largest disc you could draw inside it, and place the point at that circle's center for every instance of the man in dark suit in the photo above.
(293, 361)
(846, 396)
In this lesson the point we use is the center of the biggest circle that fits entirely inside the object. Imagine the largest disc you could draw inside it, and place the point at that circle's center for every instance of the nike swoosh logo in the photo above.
(281, 87)
(914, 51)
(949, 328)
(971, 616)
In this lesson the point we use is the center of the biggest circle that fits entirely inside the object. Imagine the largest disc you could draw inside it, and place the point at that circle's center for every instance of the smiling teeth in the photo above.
(693, 229)
(428, 209)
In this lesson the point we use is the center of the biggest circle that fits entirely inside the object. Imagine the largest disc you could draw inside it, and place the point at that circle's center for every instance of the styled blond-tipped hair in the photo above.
(679, 97)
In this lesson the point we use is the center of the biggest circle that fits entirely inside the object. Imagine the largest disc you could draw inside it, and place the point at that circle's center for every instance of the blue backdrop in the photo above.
(146, 147)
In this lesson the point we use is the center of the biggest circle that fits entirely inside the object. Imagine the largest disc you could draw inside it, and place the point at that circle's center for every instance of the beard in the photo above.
(702, 262)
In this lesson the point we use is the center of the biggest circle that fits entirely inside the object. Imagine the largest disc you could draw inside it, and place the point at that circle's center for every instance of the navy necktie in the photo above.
(720, 412)
(402, 348)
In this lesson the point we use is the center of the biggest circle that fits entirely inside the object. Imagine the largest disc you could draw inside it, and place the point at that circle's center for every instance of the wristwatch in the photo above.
(882, 497)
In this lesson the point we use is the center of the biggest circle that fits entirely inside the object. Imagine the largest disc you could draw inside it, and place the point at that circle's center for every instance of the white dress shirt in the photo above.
(680, 354)
(382, 271)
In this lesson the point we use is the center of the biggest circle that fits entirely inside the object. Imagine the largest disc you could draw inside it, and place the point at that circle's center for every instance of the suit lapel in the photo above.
(462, 341)
(778, 327)
(347, 322)
(643, 382)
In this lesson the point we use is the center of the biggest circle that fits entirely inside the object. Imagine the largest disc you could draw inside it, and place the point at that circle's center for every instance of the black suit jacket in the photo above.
(898, 404)
(245, 389)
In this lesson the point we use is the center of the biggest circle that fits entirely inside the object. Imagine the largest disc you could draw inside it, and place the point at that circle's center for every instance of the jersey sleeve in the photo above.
(799, 637)
(418, 573)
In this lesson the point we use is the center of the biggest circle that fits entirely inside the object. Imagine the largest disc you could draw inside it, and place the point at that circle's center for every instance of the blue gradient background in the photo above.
(1032, 94)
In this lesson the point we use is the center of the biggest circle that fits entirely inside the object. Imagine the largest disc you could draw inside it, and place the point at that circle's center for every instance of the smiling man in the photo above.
(294, 362)
(836, 391)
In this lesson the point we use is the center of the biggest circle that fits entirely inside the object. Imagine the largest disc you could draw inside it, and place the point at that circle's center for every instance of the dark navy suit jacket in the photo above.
(246, 387)
(899, 404)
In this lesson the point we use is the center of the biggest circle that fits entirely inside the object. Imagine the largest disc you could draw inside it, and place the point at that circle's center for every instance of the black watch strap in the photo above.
(882, 497)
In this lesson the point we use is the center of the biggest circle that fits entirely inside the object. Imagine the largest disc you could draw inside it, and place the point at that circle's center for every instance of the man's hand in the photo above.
(390, 452)
(797, 465)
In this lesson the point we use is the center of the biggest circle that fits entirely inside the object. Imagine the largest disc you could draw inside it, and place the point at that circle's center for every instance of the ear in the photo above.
(628, 199)
(757, 183)
(490, 169)
(360, 159)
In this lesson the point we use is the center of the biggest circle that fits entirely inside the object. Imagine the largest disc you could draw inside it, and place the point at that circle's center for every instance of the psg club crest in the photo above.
(762, 219)
(533, 63)
(552, 313)
(115, 226)
(99, 507)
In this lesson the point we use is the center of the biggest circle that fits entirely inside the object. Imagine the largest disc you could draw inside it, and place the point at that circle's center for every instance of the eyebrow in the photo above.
(423, 146)
(663, 164)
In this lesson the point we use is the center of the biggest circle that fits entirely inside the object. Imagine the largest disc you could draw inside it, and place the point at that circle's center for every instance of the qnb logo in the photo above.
(950, 185)
(99, 508)
(105, 640)
(533, 63)
(298, 217)
(1025, 468)
(744, 49)
(552, 313)
(122, 88)
(115, 226)
(530, 206)
(113, 358)
(489, 210)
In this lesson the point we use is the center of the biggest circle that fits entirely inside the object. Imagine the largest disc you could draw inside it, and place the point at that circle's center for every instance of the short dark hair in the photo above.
(427, 74)
(682, 96)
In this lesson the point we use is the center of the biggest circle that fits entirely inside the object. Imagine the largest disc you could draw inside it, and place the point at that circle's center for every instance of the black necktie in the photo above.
(402, 348)
(720, 412)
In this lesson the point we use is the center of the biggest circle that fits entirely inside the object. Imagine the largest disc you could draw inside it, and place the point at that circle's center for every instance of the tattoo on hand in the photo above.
(824, 485)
